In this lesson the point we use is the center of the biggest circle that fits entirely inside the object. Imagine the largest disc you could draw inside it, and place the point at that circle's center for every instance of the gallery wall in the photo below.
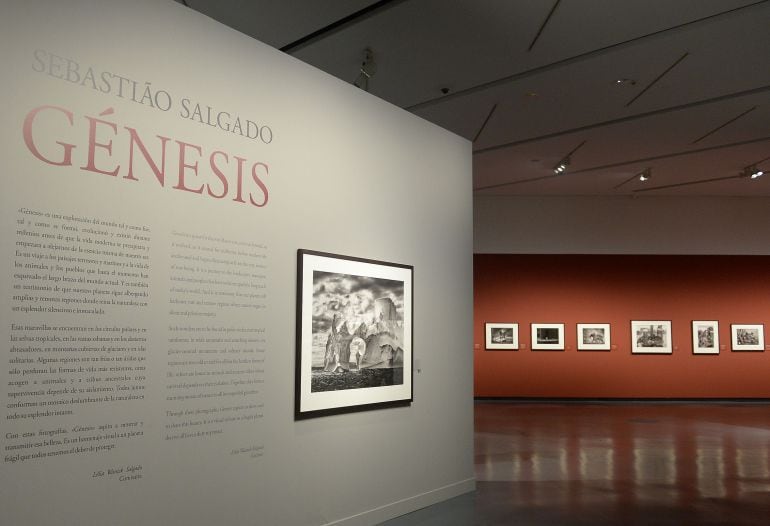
(621, 224)
(615, 289)
(160, 172)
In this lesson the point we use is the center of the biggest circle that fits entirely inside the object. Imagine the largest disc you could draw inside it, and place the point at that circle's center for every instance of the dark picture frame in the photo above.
(651, 337)
(547, 336)
(593, 337)
(354, 334)
(501, 336)
(747, 337)
(705, 337)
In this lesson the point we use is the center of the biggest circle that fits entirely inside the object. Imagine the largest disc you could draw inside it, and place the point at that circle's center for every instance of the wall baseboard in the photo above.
(407, 505)
(544, 400)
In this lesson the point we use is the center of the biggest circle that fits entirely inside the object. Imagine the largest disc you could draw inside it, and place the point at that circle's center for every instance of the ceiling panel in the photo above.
(530, 80)
(586, 92)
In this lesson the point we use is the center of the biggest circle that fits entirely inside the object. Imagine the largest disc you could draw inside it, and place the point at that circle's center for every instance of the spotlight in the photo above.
(646, 175)
(561, 166)
(753, 172)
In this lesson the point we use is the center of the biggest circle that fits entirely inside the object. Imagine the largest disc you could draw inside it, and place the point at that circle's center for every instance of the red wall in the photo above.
(573, 289)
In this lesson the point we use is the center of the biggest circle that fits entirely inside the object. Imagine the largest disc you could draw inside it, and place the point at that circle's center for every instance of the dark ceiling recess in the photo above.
(542, 26)
(657, 79)
(484, 124)
(699, 139)
(688, 183)
(342, 23)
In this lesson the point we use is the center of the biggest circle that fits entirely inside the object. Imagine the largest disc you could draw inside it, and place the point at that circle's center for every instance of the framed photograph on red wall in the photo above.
(651, 337)
(705, 337)
(502, 336)
(748, 337)
(547, 336)
(593, 336)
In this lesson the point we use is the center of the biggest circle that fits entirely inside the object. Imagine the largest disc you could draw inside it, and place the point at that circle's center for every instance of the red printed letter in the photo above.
(182, 165)
(260, 183)
(219, 174)
(30, 142)
(160, 173)
(92, 144)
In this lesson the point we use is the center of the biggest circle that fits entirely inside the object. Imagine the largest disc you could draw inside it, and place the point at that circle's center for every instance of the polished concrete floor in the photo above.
(628, 464)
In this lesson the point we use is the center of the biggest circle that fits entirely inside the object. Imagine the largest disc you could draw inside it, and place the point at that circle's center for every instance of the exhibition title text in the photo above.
(217, 173)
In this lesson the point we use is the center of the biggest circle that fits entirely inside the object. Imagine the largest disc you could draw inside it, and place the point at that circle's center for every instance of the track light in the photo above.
(645, 175)
(753, 172)
(561, 166)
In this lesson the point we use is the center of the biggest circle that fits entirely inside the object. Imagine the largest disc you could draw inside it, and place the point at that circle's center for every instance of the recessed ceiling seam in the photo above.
(484, 124)
(723, 125)
(339, 25)
(628, 118)
(624, 163)
(576, 148)
(689, 183)
(576, 58)
(626, 181)
(542, 26)
(674, 154)
(657, 79)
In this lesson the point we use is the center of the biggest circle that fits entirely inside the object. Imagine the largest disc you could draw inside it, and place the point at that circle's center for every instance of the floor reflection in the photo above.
(600, 464)
(710, 468)
(636, 463)
(597, 459)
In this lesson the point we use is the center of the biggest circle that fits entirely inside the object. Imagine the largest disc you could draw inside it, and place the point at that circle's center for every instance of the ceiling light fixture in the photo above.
(753, 172)
(645, 175)
(561, 166)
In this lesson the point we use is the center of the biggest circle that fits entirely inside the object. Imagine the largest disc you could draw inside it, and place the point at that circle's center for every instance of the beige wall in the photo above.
(340, 161)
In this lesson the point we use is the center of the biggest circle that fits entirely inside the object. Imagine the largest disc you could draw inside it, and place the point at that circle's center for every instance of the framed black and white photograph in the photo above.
(705, 337)
(748, 337)
(547, 336)
(354, 334)
(593, 336)
(651, 337)
(502, 336)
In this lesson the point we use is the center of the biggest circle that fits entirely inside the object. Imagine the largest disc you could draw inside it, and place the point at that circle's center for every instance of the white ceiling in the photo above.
(696, 109)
